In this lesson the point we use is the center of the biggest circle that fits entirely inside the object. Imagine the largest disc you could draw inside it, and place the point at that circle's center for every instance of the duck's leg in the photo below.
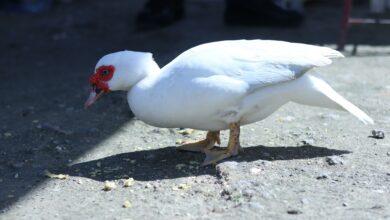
(212, 137)
(213, 156)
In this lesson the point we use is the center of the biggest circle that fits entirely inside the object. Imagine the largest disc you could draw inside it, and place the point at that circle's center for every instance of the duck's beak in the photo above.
(93, 96)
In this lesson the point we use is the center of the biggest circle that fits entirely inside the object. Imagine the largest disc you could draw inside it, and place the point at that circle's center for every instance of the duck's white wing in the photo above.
(257, 63)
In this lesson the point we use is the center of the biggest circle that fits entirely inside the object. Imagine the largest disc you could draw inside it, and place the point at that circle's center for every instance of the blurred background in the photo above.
(50, 48)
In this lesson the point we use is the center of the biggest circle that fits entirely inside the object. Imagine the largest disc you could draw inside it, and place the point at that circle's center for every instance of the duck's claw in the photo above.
(193, 147)
(214, 156)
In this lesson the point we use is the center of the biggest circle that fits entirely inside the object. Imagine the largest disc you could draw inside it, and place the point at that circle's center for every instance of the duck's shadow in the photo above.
(168, 163)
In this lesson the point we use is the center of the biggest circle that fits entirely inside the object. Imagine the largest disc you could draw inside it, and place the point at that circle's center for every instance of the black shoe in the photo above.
(260, 12)
(160, 13)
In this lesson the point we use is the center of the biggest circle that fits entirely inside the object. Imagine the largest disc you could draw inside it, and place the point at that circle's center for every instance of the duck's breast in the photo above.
(186, 101)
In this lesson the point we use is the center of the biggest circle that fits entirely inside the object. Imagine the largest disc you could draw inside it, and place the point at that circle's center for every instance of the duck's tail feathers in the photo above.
(317, 92)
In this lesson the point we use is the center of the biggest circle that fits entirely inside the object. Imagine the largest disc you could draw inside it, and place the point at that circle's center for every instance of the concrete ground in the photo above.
(301, 162)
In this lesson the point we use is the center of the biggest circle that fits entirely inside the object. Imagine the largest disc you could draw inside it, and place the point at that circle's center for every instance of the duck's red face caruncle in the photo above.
(99, 83)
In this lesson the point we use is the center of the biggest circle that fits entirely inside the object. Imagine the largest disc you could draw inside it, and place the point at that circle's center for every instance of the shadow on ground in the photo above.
(157, 164)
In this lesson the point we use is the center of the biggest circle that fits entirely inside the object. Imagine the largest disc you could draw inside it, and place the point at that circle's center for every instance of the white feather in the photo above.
(317, 92)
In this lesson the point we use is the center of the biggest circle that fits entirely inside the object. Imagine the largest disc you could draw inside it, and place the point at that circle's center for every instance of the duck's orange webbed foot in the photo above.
(212, 137)
(215, 155)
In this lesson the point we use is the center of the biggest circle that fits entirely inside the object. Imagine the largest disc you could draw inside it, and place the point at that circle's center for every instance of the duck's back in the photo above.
(203, 85)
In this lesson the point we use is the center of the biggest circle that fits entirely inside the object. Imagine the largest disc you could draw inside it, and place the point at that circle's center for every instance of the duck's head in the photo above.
(119, 71)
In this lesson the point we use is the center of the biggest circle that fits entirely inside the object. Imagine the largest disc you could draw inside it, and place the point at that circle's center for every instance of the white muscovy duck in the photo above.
(220, 85)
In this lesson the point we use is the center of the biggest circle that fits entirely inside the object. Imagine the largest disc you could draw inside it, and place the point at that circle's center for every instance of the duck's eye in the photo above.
(105, 72)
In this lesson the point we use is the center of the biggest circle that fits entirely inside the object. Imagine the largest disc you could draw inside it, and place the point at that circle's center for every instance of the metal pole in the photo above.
(344, 24)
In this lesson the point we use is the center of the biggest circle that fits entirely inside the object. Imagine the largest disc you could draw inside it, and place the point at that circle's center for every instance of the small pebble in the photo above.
(7, 134)
(308, 141)
(378, 134)
(294, 212)
(334, 160)
(56, 176)
(126, 204)
(187, 131)
(304, 201)
(181, 186)
(129, 182)
(109, 185)
(148, 186)
(322, 176)
(255, 170)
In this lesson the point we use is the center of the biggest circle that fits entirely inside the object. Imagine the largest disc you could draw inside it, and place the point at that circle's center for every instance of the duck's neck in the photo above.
(150, 70)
